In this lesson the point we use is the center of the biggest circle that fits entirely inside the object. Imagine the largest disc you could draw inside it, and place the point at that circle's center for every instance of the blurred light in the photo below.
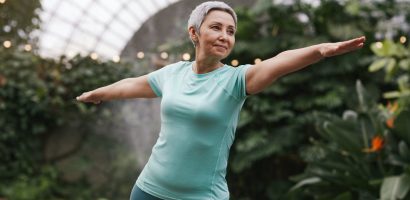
(6, 28)
(186, 56)
(235, 62)
(94, 56)
(13, 23)
(164, 55)
(71, 54)
(302, 17)
(379, 45)
(35, 21)
(403, 39)
(257, 60)
(140, 55)
(7, 44)
(116, 59)
(27, 47)
(2, 1)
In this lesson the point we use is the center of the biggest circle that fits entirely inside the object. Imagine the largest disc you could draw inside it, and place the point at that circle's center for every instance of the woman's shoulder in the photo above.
(230, 70)
(177, 66)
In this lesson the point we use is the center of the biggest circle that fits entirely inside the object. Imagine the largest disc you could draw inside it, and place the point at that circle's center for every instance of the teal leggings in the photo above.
(138, 194)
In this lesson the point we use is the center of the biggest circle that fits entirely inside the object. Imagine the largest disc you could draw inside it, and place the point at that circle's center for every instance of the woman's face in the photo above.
(217, 34)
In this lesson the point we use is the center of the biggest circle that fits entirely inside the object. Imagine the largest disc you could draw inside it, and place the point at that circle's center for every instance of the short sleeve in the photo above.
(240, 81)
(156, 80)
(233, 80)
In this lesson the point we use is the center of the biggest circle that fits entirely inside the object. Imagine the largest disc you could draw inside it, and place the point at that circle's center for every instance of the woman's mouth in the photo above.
(222, 46)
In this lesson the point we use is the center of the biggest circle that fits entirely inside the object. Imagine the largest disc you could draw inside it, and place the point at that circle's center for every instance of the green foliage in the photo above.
(37, 98)
(285, 109)
(278, 122)
(395, 187)
(37, 102)
(351, 161)
(25, 187)
(18, 18)
(347, 165)
(394, 58)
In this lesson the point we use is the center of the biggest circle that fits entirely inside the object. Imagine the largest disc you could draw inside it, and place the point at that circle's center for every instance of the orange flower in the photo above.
(392, 109)
(390, 122)
(377, 144)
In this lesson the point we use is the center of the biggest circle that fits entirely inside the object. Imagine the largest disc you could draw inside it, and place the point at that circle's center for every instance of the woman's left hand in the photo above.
(334, 49)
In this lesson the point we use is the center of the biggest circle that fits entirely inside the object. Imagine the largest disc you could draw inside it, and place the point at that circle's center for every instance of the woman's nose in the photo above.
(223, 36)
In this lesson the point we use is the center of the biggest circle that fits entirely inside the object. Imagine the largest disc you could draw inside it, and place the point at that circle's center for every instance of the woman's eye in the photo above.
(215, 27)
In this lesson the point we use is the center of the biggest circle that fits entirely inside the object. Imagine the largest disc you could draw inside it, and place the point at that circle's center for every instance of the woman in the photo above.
(200, 105)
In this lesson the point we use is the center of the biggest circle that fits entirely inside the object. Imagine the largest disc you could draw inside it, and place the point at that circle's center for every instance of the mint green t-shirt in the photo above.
(199, 115)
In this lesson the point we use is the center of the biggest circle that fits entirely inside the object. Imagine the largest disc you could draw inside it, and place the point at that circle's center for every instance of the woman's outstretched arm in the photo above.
(124, 89)
(264, 73)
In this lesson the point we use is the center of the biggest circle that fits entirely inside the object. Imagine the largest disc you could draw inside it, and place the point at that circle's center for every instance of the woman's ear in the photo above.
(193, 34)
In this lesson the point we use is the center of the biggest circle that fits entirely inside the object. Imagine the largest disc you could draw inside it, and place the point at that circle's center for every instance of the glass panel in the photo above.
(106, 50)
(112, 5)
(82, 3)
(69, 12)
(148, 5)
(119, 28)
(60, 27)
(51, 41)
(128, 18)
(90, 25)
(99, 13)
(87, 40)
(139, 10)
(102, 24)
(49, 4)
(112, 39)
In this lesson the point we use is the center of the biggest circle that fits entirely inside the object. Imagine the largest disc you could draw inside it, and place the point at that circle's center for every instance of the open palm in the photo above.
(337, 48)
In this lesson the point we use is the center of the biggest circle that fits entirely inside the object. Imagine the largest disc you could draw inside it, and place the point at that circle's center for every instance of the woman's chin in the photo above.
(221, 55)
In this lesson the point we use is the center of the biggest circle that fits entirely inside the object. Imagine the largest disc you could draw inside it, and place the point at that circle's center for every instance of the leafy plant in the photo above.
(37, 100)
(349, 161)
(18, 19)
(394, 58)
(359, 155)
(277, 123)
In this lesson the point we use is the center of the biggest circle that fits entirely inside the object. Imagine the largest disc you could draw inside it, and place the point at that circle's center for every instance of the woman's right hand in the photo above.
(88, 97)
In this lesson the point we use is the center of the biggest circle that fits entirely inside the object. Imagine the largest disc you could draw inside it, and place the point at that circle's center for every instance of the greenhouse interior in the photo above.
(338, 129)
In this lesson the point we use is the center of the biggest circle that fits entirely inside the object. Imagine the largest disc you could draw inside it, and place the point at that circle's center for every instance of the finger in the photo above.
(353, 44)
(359, 42)
(361, 38)
(81, 97)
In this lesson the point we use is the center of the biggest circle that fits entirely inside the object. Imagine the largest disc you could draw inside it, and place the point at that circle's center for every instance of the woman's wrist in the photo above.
(322, 49)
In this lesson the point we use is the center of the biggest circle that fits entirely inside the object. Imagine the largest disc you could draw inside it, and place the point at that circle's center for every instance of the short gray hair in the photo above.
(201, 11)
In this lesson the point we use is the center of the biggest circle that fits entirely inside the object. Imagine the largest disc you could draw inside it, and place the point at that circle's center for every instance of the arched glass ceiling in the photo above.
(102, 27)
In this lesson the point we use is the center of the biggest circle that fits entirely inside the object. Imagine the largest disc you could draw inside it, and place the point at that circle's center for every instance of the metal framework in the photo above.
(101, 27)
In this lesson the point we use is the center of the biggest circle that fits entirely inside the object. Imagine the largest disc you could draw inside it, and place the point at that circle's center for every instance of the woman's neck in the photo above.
(201, 66)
